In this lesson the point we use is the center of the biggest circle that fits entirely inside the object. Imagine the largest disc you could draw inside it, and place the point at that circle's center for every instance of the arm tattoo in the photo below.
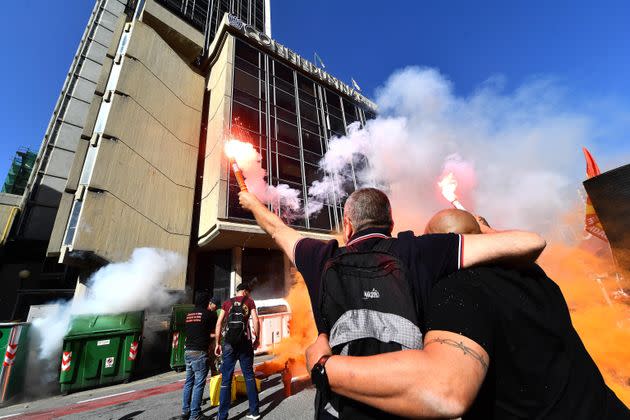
(460, 345)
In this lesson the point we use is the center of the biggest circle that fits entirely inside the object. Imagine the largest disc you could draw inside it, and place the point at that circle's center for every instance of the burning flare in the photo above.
(448, 185)
(234, 149)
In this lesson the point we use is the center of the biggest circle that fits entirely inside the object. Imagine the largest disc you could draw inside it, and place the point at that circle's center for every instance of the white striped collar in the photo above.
(368, 236)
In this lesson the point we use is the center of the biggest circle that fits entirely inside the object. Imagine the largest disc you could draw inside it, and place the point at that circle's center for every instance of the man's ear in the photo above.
(348, 229)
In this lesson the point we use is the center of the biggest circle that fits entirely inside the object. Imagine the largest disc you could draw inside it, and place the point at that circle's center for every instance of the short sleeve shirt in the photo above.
(248, 306)
(426, 257)
(539, 367)
(199, 324)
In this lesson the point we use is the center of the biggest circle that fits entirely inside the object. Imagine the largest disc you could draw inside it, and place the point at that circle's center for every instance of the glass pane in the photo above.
(247, 67)
(312, 173)
(246, 82)
(321, 220)
(283, 72)
(312, 127)
(308, 111)
(310, 157)
(285, 100)
(287, 133)
(311, 142)
(246, 99)
(289, 169)
(246, 117)
(305, 85)
(286, 115)
(246, 52)
(287, 149)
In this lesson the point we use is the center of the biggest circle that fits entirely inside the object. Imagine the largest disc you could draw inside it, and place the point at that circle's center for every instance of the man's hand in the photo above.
(484, 225)
(256, 343)
(248, 200)
(316, 350)
(217, 350)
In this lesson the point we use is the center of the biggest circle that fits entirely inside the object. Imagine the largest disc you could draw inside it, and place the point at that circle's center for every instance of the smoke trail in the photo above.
(132, 285)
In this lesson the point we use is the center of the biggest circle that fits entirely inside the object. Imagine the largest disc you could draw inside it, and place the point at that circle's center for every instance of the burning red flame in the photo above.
(238, 150)
(448, 185)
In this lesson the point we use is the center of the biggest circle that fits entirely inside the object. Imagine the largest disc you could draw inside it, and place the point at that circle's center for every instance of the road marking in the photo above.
(10, 415)
(106, 396)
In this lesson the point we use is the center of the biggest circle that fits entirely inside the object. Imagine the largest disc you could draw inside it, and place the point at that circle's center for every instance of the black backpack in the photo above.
(235, 328)
(368, 306)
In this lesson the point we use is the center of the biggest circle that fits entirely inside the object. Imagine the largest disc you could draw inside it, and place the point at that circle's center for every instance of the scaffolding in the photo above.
(19, 172)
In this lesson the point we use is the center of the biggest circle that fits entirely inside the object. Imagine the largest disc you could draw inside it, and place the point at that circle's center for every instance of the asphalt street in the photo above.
(157, 397)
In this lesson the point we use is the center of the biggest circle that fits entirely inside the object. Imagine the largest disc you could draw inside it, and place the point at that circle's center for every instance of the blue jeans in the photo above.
(245, 356)
(196, 374)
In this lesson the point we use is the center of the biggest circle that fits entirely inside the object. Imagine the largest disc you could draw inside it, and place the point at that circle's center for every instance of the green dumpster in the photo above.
(178, 334)
(100, 350)
(14, 342)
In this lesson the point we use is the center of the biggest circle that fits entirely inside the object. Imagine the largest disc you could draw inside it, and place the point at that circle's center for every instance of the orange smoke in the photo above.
(289, 353)
(601, 320)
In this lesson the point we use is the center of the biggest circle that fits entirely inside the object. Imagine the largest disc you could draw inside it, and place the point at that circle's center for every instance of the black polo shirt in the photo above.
(539, 367)
(426, 257)
(199, 325)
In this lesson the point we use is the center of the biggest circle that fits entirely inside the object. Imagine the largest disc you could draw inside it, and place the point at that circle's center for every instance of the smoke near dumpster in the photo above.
(289, 353)
(132, 285)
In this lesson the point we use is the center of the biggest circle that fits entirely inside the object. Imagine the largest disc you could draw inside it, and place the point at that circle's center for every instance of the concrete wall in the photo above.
(9, 206)
(64, 131)
(141, 189)
(182, 37)
(214, 188)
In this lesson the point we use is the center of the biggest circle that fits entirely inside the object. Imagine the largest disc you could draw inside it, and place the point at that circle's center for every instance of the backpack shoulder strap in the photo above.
(384, 245)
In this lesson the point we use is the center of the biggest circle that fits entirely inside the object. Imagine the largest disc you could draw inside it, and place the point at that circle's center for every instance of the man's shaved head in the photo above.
(453, 221)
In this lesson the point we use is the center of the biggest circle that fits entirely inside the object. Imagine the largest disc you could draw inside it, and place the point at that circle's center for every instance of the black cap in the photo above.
(243, 286)
(216, 301)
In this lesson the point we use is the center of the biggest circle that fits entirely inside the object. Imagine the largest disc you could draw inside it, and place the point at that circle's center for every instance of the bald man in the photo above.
(500, 345)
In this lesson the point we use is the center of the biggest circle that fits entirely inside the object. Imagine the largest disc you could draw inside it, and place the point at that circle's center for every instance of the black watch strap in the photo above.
(322, 360)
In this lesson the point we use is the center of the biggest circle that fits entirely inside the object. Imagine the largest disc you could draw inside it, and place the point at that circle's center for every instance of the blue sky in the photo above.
(582, 46)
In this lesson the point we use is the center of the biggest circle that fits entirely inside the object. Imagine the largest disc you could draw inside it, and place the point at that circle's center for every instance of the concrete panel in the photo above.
(76, 111)
(59, 163)
(103, 35)
(59, 227)
(39, 223)
(97, 51)
(77, 166)
(142, 133)
(159, 101)
(108, 20)
(182, 37)
(102, 80)
(68, 136)
(130, 178)
(112, 230)
(115, 6)
(83, 89)
(147, 47)
(90, 119)
(90, 70)
(113, 46)
(49, 190)
(10, 199)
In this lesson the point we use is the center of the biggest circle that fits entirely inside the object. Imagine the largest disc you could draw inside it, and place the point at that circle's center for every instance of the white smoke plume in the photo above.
(133, 285)
(516, 155)
(281, 196)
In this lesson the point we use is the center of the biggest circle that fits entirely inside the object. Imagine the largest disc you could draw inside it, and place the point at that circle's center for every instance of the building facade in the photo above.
(177, 80)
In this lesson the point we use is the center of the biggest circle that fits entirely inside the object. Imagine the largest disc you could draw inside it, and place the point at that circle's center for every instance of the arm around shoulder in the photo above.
(513, 246)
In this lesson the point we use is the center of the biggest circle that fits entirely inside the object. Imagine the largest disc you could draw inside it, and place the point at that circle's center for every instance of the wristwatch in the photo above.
(318, 374)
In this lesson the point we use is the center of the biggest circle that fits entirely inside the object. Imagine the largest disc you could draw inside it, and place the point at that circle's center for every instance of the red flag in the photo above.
(591, 222)
(591, 167)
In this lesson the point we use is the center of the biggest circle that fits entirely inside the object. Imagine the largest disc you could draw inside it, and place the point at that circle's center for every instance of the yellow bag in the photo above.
(241, 388)
(214, 387)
